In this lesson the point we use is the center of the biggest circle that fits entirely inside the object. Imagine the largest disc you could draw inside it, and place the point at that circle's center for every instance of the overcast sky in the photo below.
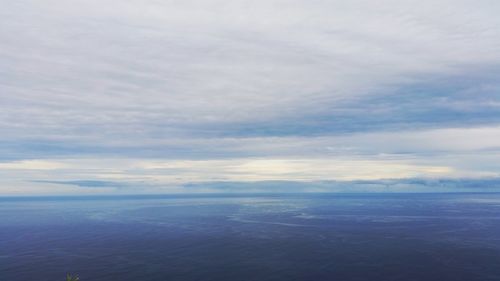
(150, 96)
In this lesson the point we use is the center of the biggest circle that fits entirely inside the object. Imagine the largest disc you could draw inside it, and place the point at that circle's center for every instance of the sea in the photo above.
(259, 237)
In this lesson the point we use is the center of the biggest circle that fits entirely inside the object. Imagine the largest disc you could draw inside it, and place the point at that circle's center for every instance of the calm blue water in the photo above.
(252, 237)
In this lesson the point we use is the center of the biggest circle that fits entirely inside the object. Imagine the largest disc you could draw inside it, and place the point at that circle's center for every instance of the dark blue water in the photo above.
(253, 237)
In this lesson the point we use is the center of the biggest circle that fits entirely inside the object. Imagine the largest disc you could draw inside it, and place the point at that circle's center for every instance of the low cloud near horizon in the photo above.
(160, 95)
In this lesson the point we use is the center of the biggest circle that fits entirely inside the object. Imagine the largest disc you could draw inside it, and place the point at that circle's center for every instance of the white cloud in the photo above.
(167, 91)
(132, 67)
(32, 165)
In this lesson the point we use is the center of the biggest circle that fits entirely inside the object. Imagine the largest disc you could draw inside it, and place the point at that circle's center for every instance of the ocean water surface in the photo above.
(341, 237)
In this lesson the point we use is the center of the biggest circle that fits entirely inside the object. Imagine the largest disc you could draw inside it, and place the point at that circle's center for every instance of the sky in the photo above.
(150, 96)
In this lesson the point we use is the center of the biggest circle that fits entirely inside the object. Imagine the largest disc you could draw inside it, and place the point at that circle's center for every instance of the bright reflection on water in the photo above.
(252, 237)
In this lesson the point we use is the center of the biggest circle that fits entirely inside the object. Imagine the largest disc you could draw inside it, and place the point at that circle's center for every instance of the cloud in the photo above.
(32, 165)
(239, 90)
(85, 183)
(412, 185)
(440, 153)
(387, 185)
(161, 69)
